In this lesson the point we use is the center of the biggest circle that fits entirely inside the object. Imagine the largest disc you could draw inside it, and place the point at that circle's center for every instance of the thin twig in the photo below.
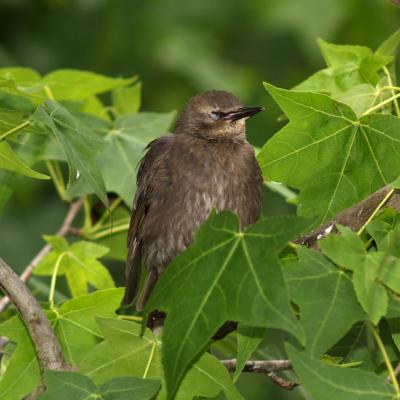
(267, 367)
(63, 231)
(262, 366)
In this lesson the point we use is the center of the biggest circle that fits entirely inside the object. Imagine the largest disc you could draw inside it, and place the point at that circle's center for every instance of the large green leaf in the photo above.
(9, 160)
(72, 385)
(78, 262)
(225, 275)
(327, 382)
(126, 351)
(325, 295)
(126, 142)
(334, 158)
(81, 146)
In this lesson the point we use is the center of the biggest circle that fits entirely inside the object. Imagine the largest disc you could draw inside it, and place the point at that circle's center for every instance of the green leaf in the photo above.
(127, 100)
(22, 373)
(390, 45)
(325, 381)
(336, 55)
(348, 251)
(334, 158)
(225, 275)
(370, 293)
(125, 148)
(127, 351)
(75, 322)
(325, 295)
(22, 81)
(73, 385)
(360, 97)
(248, 339)
(80, 144)
(69, 84)
(7, 185)
(78, 262)
(9, 160)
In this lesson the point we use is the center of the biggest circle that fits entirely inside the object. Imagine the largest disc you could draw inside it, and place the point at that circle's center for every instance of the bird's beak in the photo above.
(242, 112)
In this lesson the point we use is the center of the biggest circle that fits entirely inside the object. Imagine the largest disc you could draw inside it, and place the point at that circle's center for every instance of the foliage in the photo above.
(338, 308)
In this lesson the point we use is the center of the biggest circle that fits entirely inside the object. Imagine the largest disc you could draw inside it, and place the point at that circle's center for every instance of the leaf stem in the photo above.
(99, 224)
(88, 219)
(54, 279)
(107, 232)
(387, 361)
(378, 207)
(382, 103)
(48, 92)
(134, 318)
(15, 129)
(57, 178)
(393, 88)
(153, 349)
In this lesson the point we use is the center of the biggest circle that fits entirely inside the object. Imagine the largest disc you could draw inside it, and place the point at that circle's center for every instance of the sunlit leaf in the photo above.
(69, 84)
(78, 262)
(127, 100)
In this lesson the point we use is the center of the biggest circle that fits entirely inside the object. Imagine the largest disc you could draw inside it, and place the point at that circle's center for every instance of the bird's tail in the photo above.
(133, 274)
(148, 287)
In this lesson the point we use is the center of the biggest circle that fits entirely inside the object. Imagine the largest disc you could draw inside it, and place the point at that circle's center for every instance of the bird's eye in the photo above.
(216, 115)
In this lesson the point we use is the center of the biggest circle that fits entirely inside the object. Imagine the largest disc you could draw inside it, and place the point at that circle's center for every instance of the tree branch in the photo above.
(263, 366)
(63, 231)
(354, 217)
(46, 344)
(267, 367)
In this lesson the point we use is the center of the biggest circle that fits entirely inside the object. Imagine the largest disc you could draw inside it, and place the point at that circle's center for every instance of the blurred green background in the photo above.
(178, 48)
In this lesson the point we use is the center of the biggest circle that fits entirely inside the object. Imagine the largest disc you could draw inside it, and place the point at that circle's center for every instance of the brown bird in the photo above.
(206, 163)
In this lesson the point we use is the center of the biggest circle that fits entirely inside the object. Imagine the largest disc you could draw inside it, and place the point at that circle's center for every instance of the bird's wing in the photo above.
(141, 206)
(133, 263)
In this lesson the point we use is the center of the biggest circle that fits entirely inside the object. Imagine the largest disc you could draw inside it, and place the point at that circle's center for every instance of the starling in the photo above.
(206, 163)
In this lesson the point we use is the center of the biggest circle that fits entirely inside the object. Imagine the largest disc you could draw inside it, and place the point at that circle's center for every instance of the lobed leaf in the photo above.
(334, 158)
(225, 275)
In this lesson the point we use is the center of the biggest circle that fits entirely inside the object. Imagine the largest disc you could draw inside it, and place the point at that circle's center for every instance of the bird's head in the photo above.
(215, 114)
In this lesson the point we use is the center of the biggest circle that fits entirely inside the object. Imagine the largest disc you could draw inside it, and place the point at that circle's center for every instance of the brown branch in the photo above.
(267, 367)
(46, 344)
(63, 231)
(354, 217)
(262, 366)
